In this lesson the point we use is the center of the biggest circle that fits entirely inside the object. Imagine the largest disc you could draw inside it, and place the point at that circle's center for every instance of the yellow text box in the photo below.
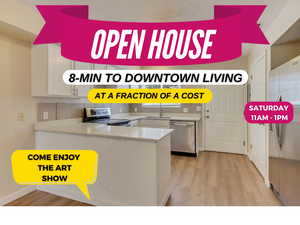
(55, 167)
(135, 96)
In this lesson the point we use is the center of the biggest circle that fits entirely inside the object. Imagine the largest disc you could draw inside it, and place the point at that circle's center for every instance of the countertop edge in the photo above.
(105, 135)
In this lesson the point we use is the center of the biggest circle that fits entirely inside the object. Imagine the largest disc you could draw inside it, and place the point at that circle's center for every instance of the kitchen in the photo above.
(217, 159)
(177, 127)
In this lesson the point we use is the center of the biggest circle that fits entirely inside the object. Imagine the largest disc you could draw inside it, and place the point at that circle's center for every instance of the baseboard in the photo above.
(15, 195)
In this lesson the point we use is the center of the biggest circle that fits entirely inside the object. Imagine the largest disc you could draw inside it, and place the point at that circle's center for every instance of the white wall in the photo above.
(287, 17)
(18, 109)
(15, 95)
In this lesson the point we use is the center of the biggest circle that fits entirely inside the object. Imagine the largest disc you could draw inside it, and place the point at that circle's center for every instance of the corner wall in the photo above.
(15, 94)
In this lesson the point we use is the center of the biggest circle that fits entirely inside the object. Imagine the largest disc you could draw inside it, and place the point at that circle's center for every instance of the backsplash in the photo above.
(59, 111)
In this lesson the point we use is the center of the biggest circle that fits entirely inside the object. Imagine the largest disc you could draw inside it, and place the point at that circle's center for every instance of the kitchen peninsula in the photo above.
(134, 162)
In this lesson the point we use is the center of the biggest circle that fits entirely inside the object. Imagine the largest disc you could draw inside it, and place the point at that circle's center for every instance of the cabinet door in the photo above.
(57, 65)
(82, 90)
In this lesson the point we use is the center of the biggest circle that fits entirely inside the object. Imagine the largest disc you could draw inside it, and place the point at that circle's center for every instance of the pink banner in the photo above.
(269, 112)
(151, 44)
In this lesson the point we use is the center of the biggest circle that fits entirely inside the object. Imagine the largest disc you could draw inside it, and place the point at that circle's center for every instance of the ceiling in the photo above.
(164, 10)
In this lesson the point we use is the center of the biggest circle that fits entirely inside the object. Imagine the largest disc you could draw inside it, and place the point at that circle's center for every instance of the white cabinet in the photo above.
(82, 90)
(56, 68)
(47, 67)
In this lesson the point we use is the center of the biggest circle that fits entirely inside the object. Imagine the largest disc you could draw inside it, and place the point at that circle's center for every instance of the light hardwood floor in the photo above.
(213, 179)
(40, 198)
(218, 179)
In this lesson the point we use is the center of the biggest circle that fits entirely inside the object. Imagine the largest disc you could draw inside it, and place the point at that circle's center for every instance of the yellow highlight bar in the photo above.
(55, 167)
(135, 96)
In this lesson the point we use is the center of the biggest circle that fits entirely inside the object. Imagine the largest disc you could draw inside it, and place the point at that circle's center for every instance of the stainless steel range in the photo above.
(102, 116)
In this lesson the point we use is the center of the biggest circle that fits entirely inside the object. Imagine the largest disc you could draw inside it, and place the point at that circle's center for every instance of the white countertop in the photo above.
(172, 116)
(75, 126)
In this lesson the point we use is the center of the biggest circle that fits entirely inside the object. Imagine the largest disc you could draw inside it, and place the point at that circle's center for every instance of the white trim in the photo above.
(267, 80)
(18, 194)
(263, 55)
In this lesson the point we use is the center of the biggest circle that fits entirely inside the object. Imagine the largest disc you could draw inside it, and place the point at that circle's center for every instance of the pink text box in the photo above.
(269, 112)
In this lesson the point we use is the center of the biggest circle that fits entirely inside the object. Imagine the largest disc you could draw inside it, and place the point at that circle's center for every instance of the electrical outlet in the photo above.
(199, 108)
(121, 110)
(185, 110)
(45, 116)
(20, 116)
(135, 109)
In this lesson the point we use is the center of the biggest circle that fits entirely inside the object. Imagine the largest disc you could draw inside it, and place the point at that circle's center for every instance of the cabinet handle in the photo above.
(207, 117)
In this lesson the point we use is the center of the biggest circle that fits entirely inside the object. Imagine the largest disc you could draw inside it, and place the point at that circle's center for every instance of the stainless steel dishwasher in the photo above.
(183, 138)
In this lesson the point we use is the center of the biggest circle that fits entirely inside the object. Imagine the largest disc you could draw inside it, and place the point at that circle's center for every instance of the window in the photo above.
(157, 86)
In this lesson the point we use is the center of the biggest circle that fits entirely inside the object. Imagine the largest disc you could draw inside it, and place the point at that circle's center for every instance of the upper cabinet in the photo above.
(48, 67)
(82, 90)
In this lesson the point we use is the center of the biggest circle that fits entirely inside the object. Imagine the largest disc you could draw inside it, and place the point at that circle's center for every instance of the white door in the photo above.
(82, 91)
(258, 132)
(57, 66)
(224, 120)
